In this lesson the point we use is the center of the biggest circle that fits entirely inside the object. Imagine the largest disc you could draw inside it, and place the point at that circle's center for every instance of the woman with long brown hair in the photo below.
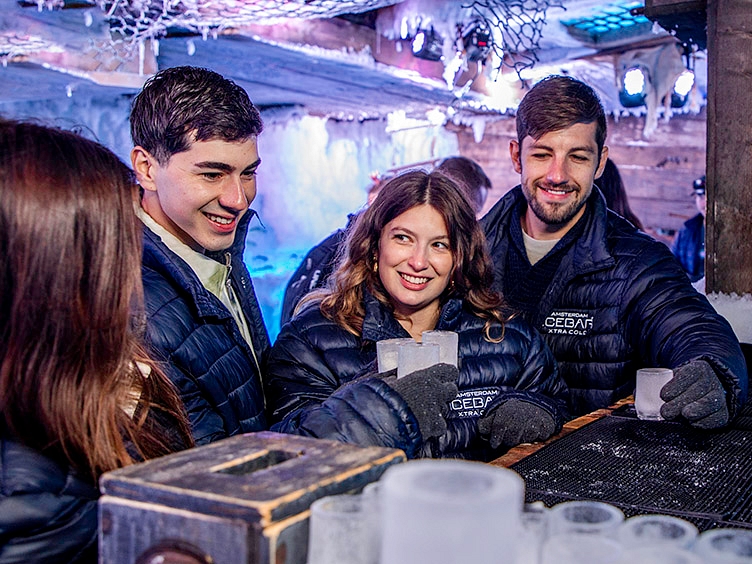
(78, 397)
(416, 261)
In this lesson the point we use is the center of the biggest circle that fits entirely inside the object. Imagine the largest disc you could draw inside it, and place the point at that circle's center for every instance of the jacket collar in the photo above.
(379, 322)
(590, 252)
(159, 257)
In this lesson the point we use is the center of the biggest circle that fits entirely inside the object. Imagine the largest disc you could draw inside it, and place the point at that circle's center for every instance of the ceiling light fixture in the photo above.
(634, 88)
(682, 88)
(476, 40)
(427, 44)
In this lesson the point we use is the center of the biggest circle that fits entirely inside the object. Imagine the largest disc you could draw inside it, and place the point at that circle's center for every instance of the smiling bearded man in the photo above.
(607, 298)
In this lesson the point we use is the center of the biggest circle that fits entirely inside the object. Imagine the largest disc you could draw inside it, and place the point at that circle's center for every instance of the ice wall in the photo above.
(314, 172)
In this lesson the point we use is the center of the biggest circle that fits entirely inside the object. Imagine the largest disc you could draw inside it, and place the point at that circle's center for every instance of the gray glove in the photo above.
(695, 393)
(427, 393)
(514, 422)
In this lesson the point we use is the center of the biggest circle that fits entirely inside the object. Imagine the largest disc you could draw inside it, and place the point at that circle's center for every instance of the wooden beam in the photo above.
(728, 266)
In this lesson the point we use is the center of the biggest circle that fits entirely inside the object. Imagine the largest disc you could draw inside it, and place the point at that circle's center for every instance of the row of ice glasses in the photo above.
(453, 512)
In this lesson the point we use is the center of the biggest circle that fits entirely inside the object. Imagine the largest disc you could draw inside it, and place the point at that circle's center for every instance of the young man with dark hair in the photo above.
(607, 298)
(195, 156)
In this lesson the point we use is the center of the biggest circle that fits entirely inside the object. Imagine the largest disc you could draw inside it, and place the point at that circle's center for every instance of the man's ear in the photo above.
(144, 166)
(602, 163)
(514, 152)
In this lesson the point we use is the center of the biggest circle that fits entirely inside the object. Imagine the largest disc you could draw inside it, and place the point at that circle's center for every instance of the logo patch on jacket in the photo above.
(568, 323)
(472, 403)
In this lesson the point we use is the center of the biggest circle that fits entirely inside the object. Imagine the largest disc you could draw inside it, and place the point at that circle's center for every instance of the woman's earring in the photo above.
(375, 263)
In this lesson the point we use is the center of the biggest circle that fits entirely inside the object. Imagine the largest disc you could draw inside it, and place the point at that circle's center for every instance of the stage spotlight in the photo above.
(682, 88)
(634, 88)
(427, 44)
(476, 39)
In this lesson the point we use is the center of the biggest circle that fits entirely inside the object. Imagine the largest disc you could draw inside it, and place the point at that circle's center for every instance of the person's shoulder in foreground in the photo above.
(608, 299)
(79, 395)
(195, 156)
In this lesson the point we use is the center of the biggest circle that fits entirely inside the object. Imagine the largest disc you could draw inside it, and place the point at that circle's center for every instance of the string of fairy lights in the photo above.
(514, 27)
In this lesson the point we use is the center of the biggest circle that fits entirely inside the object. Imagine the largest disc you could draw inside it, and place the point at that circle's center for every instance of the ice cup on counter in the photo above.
(724, 546)
(585, 517)
(340, 531)
(450, 511)
(657, 530)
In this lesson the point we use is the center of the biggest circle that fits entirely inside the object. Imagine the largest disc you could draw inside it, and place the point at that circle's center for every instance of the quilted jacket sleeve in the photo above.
(205, 420)
(538, 381)
(306, 397)
(672, 324)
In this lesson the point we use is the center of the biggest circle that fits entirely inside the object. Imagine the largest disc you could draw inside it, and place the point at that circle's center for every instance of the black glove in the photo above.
(695, 393)
(428, 392)
(514, 422)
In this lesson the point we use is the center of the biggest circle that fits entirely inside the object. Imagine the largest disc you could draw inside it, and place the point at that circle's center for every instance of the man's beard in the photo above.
(554, 214)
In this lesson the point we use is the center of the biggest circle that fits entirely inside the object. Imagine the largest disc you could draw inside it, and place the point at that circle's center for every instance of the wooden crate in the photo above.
(242, 500)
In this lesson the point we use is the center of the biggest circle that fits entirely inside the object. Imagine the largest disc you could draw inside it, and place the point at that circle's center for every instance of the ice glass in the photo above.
(648, 400)
(585, 517)
(659, 554)
(339, 531)
(414, 356)
(387, 353)
(725, 546)
(663, 530)
(534, 532)
(448, 342)
(581, 548)
(450, 512)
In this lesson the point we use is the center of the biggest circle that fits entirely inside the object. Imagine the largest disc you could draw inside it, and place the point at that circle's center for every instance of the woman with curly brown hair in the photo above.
(416, 261)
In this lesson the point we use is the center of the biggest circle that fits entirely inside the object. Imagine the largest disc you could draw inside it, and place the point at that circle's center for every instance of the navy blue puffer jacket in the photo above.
(315, 385)
(47, 514)
(689, 247)
(620, 301)
(199, 343)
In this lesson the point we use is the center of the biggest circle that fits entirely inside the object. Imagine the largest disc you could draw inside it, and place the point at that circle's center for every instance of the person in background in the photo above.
(469, 176)
(78, 396)
(612, 187)
(607, 298)
(689, 244)
(318, 264)
(321, 260)
(416, 261)
(195, 156)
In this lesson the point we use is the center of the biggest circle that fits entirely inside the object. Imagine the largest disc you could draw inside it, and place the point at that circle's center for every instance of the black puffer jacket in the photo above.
(47, 514)
(620, 301)
(314, 389)
(314, 270)
(202, 349)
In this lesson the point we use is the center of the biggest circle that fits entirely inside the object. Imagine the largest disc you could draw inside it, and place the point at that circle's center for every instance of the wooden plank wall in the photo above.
(658, 173)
